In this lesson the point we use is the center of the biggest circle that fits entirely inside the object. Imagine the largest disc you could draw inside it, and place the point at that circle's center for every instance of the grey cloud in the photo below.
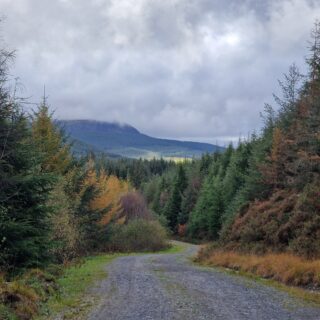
(197, 69)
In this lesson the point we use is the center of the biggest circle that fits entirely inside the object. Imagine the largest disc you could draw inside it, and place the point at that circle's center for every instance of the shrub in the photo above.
(182, 230)
(138, 236)
(133, 206)
(65, 233)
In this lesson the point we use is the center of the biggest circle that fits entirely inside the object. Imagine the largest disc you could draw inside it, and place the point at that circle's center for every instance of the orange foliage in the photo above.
(286, 222)
(285, 268)
(276, 144)
(49, 141)
(182, 229)
(111, 189)
(262, 225)
(273, 171)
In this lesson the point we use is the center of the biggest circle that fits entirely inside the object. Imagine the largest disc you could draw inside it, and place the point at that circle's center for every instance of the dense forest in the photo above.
(259, 196)
(263, 194)
(55, 207)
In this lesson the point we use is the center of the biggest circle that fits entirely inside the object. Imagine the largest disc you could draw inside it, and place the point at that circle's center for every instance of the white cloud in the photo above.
(176, 68)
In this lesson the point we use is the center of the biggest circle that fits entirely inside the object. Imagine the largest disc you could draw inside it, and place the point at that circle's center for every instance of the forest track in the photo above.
(171, 287)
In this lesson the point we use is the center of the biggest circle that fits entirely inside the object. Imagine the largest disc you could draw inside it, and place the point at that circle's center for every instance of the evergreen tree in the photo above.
(24, 189)
(89, 215)
(198, 226)
(50, 142)
(189, 199)
(137, 173)
(173, 207)
(206, 218)
(216, 209)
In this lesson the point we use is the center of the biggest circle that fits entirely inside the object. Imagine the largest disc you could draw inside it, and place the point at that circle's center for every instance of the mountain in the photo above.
(126, 141)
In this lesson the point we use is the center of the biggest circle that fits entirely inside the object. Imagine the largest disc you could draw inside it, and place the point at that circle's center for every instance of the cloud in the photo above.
(196, 69)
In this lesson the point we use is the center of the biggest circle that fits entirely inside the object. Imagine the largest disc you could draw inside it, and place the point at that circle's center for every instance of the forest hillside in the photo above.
(262, 195)
(256, 203)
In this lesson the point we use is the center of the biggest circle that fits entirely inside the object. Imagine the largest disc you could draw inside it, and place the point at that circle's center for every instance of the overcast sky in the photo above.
(186, 69)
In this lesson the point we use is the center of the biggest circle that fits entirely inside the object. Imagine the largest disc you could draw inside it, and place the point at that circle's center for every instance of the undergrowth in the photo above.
(39, 294)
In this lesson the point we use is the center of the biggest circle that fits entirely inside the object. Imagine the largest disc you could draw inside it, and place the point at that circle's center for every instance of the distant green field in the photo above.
(178, 159)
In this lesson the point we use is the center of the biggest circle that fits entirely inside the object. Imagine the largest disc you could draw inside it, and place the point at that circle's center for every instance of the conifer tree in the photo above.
(49, 141)
(173, 207)
(24, 189)
(189, 199)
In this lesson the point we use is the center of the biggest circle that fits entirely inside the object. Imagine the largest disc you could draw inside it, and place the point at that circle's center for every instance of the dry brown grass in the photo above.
(19, 298)
(285, 268)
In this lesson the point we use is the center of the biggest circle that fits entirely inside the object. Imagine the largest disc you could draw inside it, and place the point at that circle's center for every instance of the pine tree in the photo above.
(291, 90)
(173, 207)
(48, 139)
(88, 215)
(206, 218)
(137, 173)
(216, 209)
(189, 199)
(198, 225)
(24, 189)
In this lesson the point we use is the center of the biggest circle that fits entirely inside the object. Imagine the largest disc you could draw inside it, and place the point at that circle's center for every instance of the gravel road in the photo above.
(169, 286)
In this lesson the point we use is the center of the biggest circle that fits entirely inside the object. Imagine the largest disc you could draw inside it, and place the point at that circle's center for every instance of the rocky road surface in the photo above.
(171, 287)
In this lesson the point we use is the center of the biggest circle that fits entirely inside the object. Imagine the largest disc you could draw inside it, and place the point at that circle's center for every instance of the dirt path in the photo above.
(168, 286)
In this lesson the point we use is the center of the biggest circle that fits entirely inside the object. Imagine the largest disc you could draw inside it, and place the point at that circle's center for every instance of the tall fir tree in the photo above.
(173, 207)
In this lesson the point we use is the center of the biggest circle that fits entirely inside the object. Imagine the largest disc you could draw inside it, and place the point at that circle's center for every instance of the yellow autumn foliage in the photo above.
(111, 188)
(49, 141)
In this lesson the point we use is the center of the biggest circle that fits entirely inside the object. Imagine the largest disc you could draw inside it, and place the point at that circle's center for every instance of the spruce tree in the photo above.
(50, 142)
(24, 191)
(173, 207)
(24, 188)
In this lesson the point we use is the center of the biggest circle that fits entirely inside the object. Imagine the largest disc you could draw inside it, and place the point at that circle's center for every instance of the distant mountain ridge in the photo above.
(119, 140)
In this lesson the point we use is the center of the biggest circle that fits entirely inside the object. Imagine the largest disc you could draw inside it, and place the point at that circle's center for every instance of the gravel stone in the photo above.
(170, 287)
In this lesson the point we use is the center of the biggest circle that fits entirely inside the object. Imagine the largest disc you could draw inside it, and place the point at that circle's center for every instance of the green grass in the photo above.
(6, 313)
(174, 248)
(73, 285)
(72, 299)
